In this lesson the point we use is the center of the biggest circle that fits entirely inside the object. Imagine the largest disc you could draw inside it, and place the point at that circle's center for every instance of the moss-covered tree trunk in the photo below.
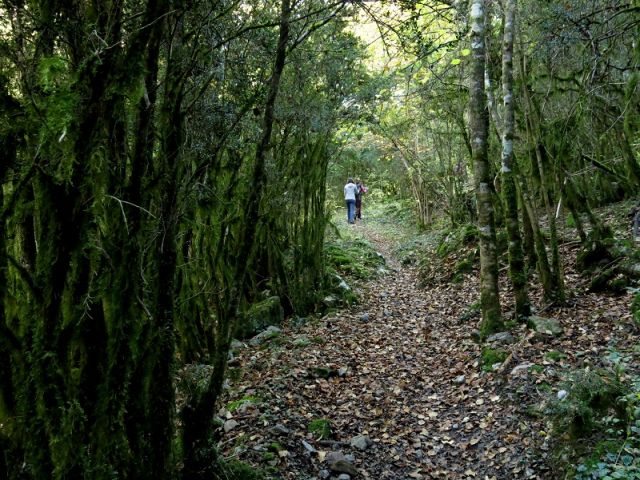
(489, 294)
(516, 254)
(90, 402)
(554, 292)
(197, 417)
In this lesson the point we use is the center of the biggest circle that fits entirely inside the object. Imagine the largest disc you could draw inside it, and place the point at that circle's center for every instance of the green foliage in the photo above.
(320, 429)
(462, 266)
(591, 395)
(268, 456)
(449, 254)
(617, 454)
(598, 422)
(193, 379)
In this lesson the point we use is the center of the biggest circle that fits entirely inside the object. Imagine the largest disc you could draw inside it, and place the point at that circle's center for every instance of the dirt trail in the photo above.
(403, 372)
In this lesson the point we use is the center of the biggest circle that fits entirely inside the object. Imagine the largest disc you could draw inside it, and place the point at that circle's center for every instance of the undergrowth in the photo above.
(596, 422)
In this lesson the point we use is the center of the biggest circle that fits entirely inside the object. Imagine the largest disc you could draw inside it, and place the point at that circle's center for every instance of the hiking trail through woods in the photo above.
(400, 381)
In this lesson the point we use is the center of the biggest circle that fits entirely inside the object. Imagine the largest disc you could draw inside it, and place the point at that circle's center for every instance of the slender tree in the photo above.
(489, 295)
(509, 193)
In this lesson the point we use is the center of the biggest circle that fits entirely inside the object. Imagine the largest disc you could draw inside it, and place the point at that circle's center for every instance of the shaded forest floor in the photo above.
(402, 370)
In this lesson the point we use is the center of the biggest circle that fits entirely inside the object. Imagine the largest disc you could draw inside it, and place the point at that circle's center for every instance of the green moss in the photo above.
(469, 234)
(544, 386)
(490, 357)
(321, 429)
(275, 447)
(268, 456)
(536, 369)
(353, 258)
(470, 313)
(534, 411)
(248, 400)
(319, 340)
(554, 356)
(276, 339)
(491, 324)
(301, 342)
(464, 266)
(237, 470)
(259, 316)
(571, 222)
(510, 324)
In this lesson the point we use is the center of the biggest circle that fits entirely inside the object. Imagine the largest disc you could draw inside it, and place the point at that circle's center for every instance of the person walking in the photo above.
(360, 190)
(350, 190)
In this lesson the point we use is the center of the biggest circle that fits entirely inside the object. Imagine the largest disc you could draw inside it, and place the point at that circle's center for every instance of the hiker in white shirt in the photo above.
(350, 191)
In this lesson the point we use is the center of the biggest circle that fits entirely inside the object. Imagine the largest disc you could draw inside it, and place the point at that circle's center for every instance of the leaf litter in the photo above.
(410, 379)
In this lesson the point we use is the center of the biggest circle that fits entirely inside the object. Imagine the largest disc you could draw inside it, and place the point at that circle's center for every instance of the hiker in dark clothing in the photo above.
(360, 190)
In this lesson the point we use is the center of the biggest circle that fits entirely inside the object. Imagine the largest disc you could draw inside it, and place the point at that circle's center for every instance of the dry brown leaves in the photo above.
(403, 386)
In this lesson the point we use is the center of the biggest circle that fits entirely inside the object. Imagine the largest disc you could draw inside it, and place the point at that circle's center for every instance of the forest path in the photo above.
(402, 370)
(416, 392)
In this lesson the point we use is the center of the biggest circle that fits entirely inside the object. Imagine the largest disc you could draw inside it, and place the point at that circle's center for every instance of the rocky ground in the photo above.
(401, 384)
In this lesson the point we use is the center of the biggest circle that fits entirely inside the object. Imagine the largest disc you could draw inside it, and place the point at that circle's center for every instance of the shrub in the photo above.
(598, 424)
(591, 394)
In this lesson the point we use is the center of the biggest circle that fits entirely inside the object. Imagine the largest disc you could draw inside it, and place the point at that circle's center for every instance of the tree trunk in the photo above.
(555, 291)
(516, 254)
(489, 294)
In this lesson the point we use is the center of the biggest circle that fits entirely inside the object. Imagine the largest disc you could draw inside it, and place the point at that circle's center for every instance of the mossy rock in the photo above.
(268, 456)
(592, 396)
(491, 356)
(301, 342)
(594, 255)
(355, 259)
(260, 315)
(545, 327)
